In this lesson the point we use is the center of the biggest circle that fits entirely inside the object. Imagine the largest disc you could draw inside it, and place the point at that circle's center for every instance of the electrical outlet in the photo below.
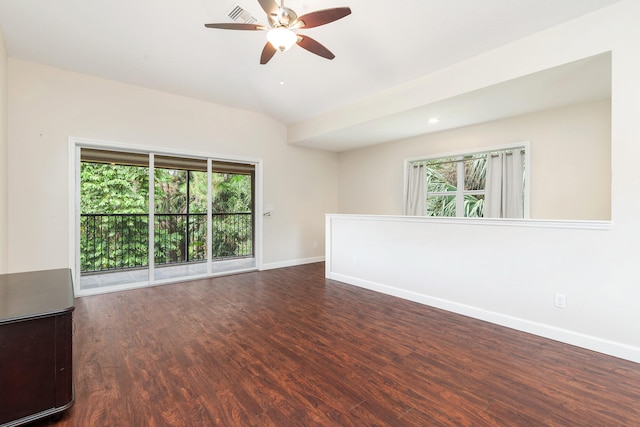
(560, 300)
(356, 260)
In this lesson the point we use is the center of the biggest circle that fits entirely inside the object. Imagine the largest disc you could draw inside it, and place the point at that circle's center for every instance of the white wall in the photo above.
(596, 269)
(570, 162)
(4, 176)
(47, 106)
(502, 274)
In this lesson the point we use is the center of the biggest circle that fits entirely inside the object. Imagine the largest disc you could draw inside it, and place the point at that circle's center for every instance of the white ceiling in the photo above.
(579, 81)
(163, 45)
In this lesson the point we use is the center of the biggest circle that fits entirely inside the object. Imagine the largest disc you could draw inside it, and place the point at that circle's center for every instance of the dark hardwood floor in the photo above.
(290, 348)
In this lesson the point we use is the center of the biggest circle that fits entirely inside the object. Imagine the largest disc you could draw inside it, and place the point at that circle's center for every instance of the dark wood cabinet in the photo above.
(36, 376)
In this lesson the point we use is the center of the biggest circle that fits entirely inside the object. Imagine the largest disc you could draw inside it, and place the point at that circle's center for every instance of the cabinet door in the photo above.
(27, 368)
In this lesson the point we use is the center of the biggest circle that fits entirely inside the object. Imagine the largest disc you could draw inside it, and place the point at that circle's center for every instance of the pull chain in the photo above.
(281, 69)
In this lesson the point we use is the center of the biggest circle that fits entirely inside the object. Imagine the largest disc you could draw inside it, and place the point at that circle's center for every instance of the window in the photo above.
(456, 185)
(199, 220)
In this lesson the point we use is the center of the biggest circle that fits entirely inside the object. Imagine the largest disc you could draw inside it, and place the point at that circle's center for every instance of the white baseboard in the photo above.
(610, 348)
(291, 263)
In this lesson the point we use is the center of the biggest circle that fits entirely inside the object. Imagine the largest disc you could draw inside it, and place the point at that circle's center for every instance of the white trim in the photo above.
(259, 221)
(74, 214)
(501, 222)
(291, 263)
(209, 215)
(328, 243)
(151, 215)
(581, 340)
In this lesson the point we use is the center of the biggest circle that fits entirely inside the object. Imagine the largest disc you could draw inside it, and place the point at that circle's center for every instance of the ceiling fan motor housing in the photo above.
(285, 17)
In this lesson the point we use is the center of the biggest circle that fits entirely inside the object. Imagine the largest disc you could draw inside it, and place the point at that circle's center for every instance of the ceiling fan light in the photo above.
(282, 38)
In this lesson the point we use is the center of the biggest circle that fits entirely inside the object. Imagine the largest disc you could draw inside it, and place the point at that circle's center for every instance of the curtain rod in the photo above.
(424, 162)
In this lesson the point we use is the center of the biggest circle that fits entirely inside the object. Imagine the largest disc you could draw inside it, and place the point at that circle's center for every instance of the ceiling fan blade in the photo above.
(321, 17)
(267, 53)
(314, 47)
(235, 26)
(269, 6)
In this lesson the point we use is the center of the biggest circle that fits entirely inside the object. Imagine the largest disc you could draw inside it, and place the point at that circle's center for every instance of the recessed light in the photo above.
(434, 120)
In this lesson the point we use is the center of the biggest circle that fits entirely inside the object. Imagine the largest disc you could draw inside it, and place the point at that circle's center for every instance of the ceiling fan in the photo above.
(283, 21)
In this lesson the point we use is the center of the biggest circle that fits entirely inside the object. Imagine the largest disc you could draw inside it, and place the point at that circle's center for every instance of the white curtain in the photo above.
(504, 191)
(414, 199)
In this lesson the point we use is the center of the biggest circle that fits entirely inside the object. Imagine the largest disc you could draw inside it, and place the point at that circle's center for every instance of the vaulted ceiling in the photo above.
(163, 45)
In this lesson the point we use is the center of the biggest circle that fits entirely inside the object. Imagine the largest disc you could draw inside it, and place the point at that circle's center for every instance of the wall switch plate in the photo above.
(560, 300)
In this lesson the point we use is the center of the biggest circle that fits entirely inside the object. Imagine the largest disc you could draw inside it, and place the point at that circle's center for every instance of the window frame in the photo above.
(460, 189)
(215, 164)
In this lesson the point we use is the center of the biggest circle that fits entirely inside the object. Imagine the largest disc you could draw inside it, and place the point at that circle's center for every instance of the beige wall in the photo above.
(3, 158)
(49, 105)
(570, 162)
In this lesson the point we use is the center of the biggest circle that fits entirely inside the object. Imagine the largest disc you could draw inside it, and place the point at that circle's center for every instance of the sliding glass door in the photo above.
(232, 216)
(114, 218)
(149, 218)
(180, 219)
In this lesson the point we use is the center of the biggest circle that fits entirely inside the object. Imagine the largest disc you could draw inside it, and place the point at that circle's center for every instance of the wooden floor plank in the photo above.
(289, 348)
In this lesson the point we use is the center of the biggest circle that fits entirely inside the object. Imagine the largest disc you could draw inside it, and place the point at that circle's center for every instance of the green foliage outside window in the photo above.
(232, 234)
(118, 236)
(108, 241)
(441, 185)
